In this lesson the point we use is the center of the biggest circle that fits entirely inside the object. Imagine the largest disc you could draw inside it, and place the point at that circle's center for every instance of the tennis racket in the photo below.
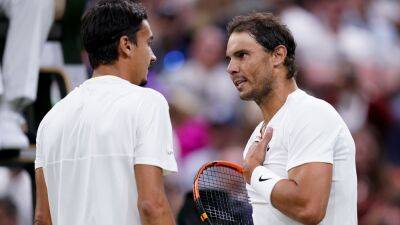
(220, 194)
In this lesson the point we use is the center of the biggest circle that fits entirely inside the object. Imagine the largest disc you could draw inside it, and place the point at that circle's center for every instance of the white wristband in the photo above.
(263, 181)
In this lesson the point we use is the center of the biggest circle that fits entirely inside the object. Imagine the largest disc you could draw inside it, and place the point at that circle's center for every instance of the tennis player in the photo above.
(299, 161)
(102, 151)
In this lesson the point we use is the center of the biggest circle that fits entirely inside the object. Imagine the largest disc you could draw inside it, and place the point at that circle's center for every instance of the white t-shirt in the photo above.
(89, 143)
(307, 129)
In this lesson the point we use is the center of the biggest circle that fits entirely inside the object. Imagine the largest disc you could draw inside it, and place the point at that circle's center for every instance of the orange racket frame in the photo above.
(196, 193)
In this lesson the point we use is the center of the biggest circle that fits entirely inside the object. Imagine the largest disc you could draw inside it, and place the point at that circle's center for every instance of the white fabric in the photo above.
(89, 143)
(307, 129)
(29, 25)
(11, 134)
(264, 187)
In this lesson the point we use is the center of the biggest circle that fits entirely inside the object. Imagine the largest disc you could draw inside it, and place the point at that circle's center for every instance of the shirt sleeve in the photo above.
(39, 160)
(313, 136)
(154, 135)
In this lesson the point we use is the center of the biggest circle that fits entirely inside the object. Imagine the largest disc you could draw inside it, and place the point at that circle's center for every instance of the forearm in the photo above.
(38, 222)
(42, 209)
(304, 201)
(165, 219)
(156, 214)
(41, 220)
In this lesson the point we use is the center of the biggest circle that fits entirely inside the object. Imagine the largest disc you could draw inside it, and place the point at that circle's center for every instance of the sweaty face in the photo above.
(143, 55)
(250, 66)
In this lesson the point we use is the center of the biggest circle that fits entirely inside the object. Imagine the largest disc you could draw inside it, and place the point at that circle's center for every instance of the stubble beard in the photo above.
(258, 95)
(261, 96)
(143, 83)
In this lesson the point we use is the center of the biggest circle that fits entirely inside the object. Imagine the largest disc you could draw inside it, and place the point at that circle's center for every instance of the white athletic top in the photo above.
(307, 129)
(89, 143)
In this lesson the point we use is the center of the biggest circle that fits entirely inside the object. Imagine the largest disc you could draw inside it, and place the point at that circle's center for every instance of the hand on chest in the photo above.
(276, 154)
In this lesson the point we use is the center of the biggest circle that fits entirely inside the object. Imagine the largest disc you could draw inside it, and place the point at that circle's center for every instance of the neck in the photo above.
(112, 69)
(274, 100)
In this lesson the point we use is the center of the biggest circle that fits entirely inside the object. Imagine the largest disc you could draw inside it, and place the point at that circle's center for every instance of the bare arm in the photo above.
(153, 205)
(42, 212)
(304, 196)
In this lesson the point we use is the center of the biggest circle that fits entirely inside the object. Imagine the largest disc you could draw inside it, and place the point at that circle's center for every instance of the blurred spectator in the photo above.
(29, 24)
(317, 49)
(348, 54)
(351, 103)
(202, 86)
(170, 19)
(8, 212)
(16, 185)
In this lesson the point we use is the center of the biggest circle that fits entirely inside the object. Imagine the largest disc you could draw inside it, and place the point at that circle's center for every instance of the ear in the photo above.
(126, 47)
(279, 55)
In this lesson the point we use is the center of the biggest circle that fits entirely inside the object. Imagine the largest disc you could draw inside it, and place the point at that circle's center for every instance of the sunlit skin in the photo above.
(134, 58)
(258, 75)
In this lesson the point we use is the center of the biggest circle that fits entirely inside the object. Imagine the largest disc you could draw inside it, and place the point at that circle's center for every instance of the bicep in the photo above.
(42, 212)
(314, 180)
(152, 201)
(149, 181)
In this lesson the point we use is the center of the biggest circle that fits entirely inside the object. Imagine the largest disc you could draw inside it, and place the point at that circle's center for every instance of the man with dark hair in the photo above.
(102, 151)
(305, 172)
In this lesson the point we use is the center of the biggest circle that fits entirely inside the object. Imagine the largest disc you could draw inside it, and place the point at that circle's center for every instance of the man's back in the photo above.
(89, 143)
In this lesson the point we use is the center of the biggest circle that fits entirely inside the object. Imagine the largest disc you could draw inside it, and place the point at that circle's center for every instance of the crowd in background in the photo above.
(348, 53)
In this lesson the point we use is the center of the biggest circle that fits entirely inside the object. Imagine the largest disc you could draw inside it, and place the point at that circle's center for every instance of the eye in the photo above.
(241, 55)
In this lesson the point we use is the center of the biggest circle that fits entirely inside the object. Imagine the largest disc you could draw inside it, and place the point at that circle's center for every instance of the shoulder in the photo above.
(55, 112)
(153, 96)
(308, 112)
(307, 106)
(144, 98)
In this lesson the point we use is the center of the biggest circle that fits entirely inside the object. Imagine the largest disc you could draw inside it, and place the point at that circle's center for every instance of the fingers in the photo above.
(267, 136)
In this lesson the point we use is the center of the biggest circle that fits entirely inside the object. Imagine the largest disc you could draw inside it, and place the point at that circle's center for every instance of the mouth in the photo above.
(150, 66)
(239, 83)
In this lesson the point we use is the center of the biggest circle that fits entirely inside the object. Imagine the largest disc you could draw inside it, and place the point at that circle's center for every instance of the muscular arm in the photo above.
(304, 196)
(153, 205)
(42, 211)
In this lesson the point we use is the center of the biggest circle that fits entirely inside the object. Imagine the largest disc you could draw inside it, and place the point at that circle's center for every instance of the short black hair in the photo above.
(269, 32)
(105, 23)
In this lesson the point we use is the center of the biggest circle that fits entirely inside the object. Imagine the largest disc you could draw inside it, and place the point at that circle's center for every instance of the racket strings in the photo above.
(224, 196)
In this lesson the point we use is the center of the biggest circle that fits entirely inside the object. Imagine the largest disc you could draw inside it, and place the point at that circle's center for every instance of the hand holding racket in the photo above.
(256, 154)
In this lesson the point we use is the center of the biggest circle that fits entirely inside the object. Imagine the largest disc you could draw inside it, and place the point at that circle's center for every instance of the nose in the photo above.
(153, 58)
(232, 68)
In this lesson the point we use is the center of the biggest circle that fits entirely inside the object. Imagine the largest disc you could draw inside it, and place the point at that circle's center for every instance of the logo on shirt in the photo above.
(170, 152)
(261, 179)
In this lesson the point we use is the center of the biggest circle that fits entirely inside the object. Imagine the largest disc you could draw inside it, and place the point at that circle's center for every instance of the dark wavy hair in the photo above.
(269, 32)
(105, 23)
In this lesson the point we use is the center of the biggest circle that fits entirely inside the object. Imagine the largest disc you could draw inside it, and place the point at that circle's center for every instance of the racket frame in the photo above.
(196, 193)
